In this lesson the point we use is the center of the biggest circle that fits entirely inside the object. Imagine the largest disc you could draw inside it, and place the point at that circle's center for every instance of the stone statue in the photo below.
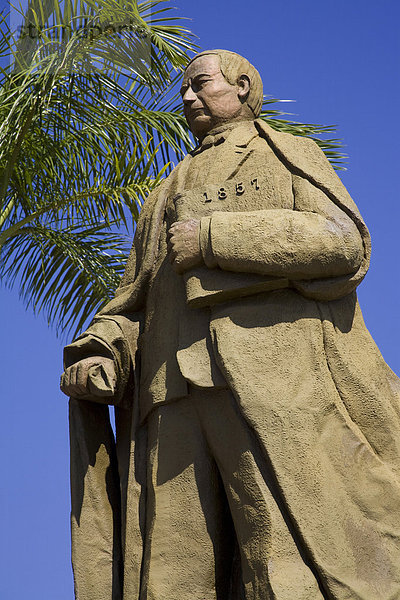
(257, 448)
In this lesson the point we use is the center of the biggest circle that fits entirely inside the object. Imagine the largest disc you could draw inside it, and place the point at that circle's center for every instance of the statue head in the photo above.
(220, 87)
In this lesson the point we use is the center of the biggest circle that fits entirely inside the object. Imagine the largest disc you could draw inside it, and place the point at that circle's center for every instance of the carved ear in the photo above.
(243, 83)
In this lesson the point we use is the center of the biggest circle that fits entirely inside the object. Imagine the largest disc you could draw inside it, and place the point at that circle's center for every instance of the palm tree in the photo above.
(89, 124)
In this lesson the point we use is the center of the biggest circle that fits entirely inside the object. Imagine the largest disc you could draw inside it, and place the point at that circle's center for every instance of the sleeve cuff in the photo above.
(205, 243)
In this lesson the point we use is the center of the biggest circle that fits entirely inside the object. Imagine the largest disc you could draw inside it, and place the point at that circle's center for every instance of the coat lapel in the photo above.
(235, 152)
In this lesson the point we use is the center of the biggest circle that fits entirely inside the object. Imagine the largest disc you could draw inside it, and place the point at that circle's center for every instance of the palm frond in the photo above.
(332, 147)
(67, 273)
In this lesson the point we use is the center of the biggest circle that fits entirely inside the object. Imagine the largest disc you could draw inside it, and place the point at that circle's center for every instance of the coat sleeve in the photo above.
(315, 240)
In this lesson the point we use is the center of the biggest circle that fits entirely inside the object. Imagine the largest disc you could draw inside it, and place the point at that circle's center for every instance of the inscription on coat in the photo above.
(231, 189)
(252, 191)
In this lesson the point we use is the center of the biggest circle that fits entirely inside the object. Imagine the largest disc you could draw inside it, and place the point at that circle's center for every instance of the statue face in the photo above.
(208, 99)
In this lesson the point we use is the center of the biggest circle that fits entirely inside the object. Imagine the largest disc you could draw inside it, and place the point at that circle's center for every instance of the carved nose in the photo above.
(189, 96)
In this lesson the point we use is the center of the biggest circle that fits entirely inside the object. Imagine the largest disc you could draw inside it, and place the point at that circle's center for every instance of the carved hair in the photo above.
(232, 67)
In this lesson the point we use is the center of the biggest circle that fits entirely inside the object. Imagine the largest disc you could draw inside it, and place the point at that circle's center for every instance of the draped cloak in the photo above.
(331, 430)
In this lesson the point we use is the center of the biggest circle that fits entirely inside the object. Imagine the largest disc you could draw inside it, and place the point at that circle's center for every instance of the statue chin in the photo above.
(200, 125)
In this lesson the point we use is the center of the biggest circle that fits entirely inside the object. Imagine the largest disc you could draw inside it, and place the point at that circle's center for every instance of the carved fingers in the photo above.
(184, 245)
(93, 376)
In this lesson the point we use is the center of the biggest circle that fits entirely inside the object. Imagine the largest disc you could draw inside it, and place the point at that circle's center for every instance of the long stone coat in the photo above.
(288, 338)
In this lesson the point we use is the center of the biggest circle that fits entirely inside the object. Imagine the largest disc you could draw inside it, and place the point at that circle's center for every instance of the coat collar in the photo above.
(231, 146)
(237, 134)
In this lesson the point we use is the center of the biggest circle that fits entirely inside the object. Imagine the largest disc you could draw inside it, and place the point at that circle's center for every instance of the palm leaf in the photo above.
(67, 273)
(332, 147)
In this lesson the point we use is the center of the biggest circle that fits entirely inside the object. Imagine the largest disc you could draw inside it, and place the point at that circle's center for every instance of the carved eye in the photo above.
(198, 85)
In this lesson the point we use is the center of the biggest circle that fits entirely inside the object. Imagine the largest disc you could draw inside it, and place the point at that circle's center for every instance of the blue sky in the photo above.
(339, 61)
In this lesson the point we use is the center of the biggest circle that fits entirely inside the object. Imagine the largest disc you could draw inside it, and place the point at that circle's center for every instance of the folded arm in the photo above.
(315, 240)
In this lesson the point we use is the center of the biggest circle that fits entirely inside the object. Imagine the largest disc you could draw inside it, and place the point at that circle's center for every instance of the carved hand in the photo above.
(94, 376)
(184, 245)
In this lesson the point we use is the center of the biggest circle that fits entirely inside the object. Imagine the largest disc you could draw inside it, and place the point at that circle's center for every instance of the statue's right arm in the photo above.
(100, 364)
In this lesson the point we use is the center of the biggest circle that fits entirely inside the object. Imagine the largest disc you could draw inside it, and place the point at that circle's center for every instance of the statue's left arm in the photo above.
(315, 240)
